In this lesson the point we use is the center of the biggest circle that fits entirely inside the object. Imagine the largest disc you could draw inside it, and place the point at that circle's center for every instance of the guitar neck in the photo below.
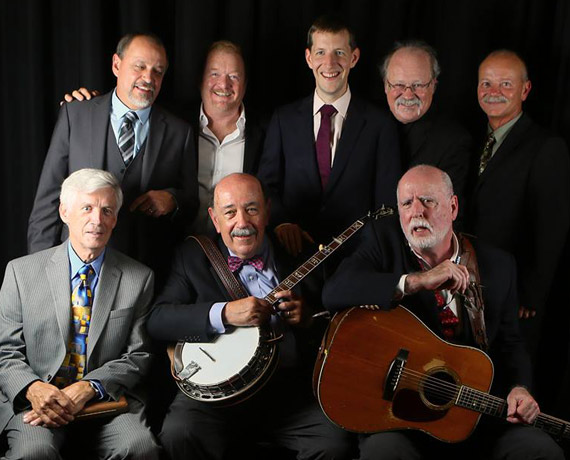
(478, 401)
(314, 261)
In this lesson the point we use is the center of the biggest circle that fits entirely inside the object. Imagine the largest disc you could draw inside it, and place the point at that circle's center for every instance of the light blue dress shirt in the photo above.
(118, 111)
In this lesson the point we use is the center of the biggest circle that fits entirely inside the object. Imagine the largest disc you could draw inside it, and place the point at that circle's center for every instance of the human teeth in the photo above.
(330, 74)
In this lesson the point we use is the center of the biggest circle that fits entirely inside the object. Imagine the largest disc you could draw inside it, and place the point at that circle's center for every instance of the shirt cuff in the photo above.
(100, 393)
(400, 290)
(215, 316)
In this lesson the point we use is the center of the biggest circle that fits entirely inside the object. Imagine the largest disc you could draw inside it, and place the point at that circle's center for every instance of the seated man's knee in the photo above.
(139, 444)
(30, 450)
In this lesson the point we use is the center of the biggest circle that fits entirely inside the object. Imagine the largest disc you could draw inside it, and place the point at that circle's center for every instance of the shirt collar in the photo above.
(76, 263)
(240, 124)
(454, 257)
(502, 132)
(119, 109)
(341, 104)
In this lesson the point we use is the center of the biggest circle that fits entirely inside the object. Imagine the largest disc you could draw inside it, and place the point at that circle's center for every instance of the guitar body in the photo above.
(385, 370)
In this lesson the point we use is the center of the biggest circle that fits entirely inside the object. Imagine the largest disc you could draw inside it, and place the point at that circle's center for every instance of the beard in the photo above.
(423, 242)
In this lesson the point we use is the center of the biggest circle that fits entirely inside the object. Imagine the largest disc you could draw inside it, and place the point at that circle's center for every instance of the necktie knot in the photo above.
(85, 271)
(235, 263)
(327, 110)
(130, 117)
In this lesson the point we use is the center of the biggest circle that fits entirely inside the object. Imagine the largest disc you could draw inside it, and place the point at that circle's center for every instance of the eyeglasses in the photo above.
(416, 88)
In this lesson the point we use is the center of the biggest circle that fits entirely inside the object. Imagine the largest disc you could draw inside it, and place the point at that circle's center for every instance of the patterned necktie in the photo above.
(235, 263)
(487, 152)
(73, 365)
(323, 144)
(126, 140)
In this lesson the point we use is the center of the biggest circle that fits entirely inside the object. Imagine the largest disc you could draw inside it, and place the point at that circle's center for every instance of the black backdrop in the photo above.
(51, 46)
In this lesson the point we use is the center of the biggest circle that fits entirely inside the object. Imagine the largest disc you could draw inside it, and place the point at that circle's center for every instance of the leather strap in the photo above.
(232, 285)
(473, 297)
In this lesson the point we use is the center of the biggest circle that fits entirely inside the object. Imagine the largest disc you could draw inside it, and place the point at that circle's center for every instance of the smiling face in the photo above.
(331, 59)
(140, 72)
(503, 87)
(240, 214)
(223, 82)
(409, 67)
(427, 210)
(90, 218)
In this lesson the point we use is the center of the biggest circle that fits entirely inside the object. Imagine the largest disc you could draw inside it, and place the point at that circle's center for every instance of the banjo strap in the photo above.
(232, 285)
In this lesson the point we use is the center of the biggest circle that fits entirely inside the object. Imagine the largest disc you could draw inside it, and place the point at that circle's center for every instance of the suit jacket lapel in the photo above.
(303, 131)
(253, 139)
(353, 125)
(153, 143)
(57, 273)
(105, 294)
(100, 119)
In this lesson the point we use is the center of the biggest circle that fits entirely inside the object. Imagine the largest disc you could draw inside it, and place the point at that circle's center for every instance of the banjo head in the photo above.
(230, 368)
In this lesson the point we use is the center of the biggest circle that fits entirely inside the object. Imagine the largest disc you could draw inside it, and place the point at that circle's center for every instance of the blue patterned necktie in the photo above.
(126, 140)
(73, 366)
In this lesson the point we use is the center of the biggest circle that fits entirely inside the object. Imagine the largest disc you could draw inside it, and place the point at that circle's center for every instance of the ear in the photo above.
(308, 58)
(214, 218)
(63, 213)
(526, 89)
(454, 207)
(116, 64)
(355, 56)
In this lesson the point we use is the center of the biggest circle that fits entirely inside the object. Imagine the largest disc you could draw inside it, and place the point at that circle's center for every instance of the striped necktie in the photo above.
(126, 140)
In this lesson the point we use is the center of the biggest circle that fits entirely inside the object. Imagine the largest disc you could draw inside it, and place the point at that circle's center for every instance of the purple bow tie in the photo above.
(235, 263)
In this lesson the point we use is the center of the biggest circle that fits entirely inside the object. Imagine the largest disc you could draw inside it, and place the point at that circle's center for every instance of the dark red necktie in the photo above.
(235, 263)
(324, 143)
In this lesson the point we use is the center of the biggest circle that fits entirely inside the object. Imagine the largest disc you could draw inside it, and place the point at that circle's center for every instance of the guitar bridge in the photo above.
(394, 374)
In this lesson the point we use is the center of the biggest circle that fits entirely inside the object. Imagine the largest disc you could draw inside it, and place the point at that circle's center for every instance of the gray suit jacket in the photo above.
(79, 141)
(35, 325)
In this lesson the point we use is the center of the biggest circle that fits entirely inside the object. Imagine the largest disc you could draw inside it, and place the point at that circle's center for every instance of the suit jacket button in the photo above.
(49, 377)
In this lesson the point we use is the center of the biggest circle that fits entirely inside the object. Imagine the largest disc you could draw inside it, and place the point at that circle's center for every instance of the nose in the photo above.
(96, 216)
(242, 219)
(417, 208)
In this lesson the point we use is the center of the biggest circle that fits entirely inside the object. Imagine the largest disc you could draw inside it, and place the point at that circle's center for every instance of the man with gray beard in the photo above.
(419, 262)
(410, 72)
(520, 202)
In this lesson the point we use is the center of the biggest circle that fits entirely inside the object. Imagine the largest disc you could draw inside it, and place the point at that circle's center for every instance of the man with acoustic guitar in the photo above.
(197, 309)
(465, 292)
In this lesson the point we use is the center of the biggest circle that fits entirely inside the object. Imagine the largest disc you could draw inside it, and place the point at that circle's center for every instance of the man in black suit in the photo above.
(331, 157)
(410, 72)
(195, 307)
(520, 200)
(152, 154)
(419, 263)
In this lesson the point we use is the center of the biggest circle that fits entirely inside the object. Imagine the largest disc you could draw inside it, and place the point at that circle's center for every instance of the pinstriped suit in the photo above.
(35, 327)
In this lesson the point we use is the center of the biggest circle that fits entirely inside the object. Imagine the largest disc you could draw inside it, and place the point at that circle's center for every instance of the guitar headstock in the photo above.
(382, 211)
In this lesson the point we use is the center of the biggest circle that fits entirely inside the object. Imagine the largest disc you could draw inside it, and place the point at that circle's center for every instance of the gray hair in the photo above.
(89, 180)
(417, 45)
(444, 177)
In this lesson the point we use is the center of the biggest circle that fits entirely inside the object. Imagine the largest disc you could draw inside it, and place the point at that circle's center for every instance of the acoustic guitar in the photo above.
(380, 370)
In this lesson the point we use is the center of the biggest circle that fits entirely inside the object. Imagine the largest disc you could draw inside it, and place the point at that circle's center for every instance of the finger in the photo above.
(296, 237)
(78, 95)
(140, 203)
(288, 243)
(521, 312)
(68, 97)
(85, 93)
(307, 236)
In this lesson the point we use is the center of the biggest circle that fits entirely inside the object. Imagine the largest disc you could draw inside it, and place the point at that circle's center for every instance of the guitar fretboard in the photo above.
(315, 260)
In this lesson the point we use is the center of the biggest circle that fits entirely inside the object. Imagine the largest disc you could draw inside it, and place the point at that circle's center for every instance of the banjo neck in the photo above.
(324, 252)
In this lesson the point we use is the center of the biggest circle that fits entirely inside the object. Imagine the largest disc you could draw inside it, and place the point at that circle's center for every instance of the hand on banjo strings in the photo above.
(290, 307)
(250, 311)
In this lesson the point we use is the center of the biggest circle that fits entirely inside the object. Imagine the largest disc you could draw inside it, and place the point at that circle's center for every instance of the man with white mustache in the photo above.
(420, 263)
(410, 72)
(150, 152)
(330, 157)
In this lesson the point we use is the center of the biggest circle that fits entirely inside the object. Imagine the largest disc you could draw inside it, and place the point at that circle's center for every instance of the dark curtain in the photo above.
(52, 46)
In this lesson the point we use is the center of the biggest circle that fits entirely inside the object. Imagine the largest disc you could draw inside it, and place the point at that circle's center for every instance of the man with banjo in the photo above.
(196, 308)
(422, 264)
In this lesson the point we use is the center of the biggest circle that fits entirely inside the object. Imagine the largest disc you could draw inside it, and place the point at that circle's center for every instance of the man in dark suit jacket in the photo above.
(313, 202)
(40, 391)
(410, 73)
(159, 182)
(520, 200)
(195, 307)
(418, 264)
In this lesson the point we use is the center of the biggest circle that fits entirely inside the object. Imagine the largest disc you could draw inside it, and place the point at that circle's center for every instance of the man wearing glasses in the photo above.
(410, 74)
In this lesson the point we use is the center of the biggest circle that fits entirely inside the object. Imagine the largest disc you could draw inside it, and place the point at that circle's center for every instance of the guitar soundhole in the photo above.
(439, 389)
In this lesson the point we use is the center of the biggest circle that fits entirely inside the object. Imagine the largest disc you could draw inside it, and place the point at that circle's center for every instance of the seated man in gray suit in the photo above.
(150, 151)
(55, 356)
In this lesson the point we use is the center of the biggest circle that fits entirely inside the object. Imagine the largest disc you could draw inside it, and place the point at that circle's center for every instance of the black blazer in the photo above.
(439, 142)
(371, 274)
(521, 203)
(365, 172)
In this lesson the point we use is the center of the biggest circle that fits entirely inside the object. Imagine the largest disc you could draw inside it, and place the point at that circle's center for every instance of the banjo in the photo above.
(235, 365)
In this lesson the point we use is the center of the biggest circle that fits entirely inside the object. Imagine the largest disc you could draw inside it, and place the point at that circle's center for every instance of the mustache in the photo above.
(247, 231)
(146, 86)
(494, 99)
(408, 102)
(419, 222)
